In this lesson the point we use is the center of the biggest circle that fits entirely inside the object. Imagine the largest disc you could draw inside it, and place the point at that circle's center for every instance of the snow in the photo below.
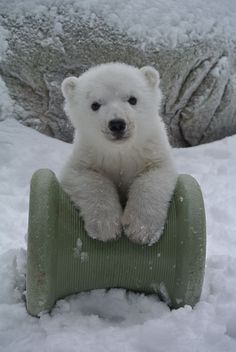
(6, 103)
(84, 257)
(159, 22)
(79, 244)
(114, 320)
(3, 44)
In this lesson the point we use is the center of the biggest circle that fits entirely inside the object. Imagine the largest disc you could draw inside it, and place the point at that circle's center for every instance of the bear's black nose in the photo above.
(117, 126)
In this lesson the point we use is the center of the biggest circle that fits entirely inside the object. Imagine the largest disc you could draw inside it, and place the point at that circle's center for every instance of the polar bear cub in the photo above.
(121, 174)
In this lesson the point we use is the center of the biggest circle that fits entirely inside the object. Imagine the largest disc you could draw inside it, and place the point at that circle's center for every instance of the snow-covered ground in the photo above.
(114, 321)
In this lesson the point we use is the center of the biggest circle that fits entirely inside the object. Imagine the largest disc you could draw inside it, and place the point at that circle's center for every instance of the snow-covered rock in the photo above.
(191, 43)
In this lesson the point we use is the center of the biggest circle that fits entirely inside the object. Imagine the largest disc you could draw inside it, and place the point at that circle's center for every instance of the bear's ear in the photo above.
(68, 86)
(151, 75)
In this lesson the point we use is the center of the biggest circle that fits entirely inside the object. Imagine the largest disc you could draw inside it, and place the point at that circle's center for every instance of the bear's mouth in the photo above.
(117, 137)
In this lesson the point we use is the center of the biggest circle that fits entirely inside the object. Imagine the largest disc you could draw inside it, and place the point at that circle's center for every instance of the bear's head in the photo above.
(113, 102)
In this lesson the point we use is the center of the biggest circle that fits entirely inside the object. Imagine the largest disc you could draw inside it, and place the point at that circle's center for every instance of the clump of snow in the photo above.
(47, 42)
(164, 293)
(115, 320)
(58, 28)
(159, 22)
(78, 251)
(84, 257)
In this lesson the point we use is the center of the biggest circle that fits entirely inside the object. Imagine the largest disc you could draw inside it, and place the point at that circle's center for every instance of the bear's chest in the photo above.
(123, 168)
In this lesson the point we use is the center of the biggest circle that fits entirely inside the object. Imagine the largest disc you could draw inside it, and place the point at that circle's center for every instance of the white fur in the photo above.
(119, 183)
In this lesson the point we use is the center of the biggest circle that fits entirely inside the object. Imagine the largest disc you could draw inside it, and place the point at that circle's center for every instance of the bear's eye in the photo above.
(132, 100)
(95, 106)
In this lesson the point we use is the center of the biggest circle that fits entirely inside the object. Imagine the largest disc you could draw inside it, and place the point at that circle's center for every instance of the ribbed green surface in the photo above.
(41, 251)
(173, 267)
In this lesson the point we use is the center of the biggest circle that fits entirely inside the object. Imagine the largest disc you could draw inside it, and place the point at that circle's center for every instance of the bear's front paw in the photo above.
(140, 227)
(103, 227)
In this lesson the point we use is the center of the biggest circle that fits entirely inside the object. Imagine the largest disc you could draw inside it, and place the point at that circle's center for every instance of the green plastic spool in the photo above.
(62, 259)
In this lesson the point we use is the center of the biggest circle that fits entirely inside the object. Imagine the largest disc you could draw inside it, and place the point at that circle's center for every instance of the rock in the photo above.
(42, 48)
